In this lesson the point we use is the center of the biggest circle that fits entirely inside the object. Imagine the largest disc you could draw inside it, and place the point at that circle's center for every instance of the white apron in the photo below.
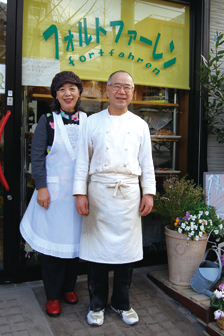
(112, 232)
(56, 231)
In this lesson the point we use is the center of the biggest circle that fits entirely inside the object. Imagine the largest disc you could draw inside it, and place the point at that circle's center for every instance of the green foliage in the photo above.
(212, 82)
(216, 303)
(182, 205)
(179, 197)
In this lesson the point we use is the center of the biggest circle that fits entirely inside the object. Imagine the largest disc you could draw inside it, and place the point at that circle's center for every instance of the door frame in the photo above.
(12, 135)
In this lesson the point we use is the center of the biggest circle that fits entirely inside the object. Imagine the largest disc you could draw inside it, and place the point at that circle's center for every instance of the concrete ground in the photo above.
(22, 312)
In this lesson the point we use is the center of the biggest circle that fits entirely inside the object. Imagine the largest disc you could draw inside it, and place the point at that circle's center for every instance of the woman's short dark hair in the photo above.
(60, 79)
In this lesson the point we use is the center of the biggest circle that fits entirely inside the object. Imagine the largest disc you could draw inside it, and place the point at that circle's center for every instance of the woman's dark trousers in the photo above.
(59, 275)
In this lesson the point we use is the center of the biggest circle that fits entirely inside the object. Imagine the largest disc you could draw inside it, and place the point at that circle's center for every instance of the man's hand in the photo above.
(43, 198)
(82, 205)
(146, 205)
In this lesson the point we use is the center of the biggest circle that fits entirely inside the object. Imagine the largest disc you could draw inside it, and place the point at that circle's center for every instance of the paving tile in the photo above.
(156, 328)
(5, 328)
(35, 283)
(162, 267)
(8, 286)
(158, 314)
(130, 332)
(191, 318)
(4, 320)
(11, 303)
(19, 326)
(24, 333)
(82, 278)
(149, 319)
(21, 285)
(17, 318)
(13, 310)
(167, 324)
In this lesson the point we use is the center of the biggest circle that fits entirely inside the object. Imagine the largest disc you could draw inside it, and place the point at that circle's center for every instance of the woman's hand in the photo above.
(82, 205)
(43, 198)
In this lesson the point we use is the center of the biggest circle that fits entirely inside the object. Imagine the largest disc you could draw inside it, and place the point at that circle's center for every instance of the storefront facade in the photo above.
(158, 42)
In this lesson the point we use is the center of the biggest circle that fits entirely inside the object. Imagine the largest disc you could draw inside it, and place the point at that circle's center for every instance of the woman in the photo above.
(51, 224)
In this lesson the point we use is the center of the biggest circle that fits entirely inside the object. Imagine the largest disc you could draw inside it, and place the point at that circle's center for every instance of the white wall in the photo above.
(216, 151)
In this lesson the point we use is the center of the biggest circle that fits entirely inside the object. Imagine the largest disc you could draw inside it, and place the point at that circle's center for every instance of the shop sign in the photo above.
(52, 30)
(153, 50)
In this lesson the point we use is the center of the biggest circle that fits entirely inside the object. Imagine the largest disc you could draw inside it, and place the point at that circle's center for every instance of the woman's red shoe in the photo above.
(53, 308)
(71, 297)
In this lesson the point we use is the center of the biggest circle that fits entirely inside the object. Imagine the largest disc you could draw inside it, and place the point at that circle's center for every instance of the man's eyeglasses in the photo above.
(117, 87)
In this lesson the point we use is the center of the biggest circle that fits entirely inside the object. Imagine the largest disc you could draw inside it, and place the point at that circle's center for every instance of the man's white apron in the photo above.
(56, 231)
(112, 232)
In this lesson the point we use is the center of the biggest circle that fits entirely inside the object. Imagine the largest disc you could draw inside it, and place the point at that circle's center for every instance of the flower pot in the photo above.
(184, 256)
(220, 323)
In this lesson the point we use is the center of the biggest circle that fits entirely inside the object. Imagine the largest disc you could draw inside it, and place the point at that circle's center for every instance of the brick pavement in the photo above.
(22, 312)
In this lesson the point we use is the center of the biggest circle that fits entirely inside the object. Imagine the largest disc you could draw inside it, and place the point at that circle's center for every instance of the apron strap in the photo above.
(118, 185)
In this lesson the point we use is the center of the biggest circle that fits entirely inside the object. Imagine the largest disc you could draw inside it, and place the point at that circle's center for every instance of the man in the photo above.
(114, 153)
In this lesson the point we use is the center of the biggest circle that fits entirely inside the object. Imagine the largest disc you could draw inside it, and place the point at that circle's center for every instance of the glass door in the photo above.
(3, 20)
(36, 101)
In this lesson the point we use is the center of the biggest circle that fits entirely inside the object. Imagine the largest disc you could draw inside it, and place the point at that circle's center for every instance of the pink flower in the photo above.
(217, 314)
(221, 287)
(51, 124)
(170, 186)
(218, 294)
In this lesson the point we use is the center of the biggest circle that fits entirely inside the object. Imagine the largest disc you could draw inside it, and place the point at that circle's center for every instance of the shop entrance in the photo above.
(3, 18)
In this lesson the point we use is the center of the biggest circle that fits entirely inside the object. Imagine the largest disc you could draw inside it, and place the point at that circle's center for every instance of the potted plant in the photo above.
(217, 302)
(190, 222)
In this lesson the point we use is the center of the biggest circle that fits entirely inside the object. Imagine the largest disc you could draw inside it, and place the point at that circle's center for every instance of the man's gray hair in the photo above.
(110, 78)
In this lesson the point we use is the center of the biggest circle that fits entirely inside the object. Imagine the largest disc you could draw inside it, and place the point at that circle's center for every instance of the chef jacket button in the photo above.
(107, 148)
(129, 132)
(108, 131)
(126, 149)
(105, 164)
(125, 165)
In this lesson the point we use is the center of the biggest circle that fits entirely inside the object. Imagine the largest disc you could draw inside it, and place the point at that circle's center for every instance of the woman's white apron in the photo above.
(56, 231)
(112, 232)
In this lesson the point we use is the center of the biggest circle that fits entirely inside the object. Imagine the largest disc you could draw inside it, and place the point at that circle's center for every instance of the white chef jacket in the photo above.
(129, 154)
(114, 151)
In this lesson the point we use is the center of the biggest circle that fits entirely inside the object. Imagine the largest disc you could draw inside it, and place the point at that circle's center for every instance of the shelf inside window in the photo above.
(104, 100)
